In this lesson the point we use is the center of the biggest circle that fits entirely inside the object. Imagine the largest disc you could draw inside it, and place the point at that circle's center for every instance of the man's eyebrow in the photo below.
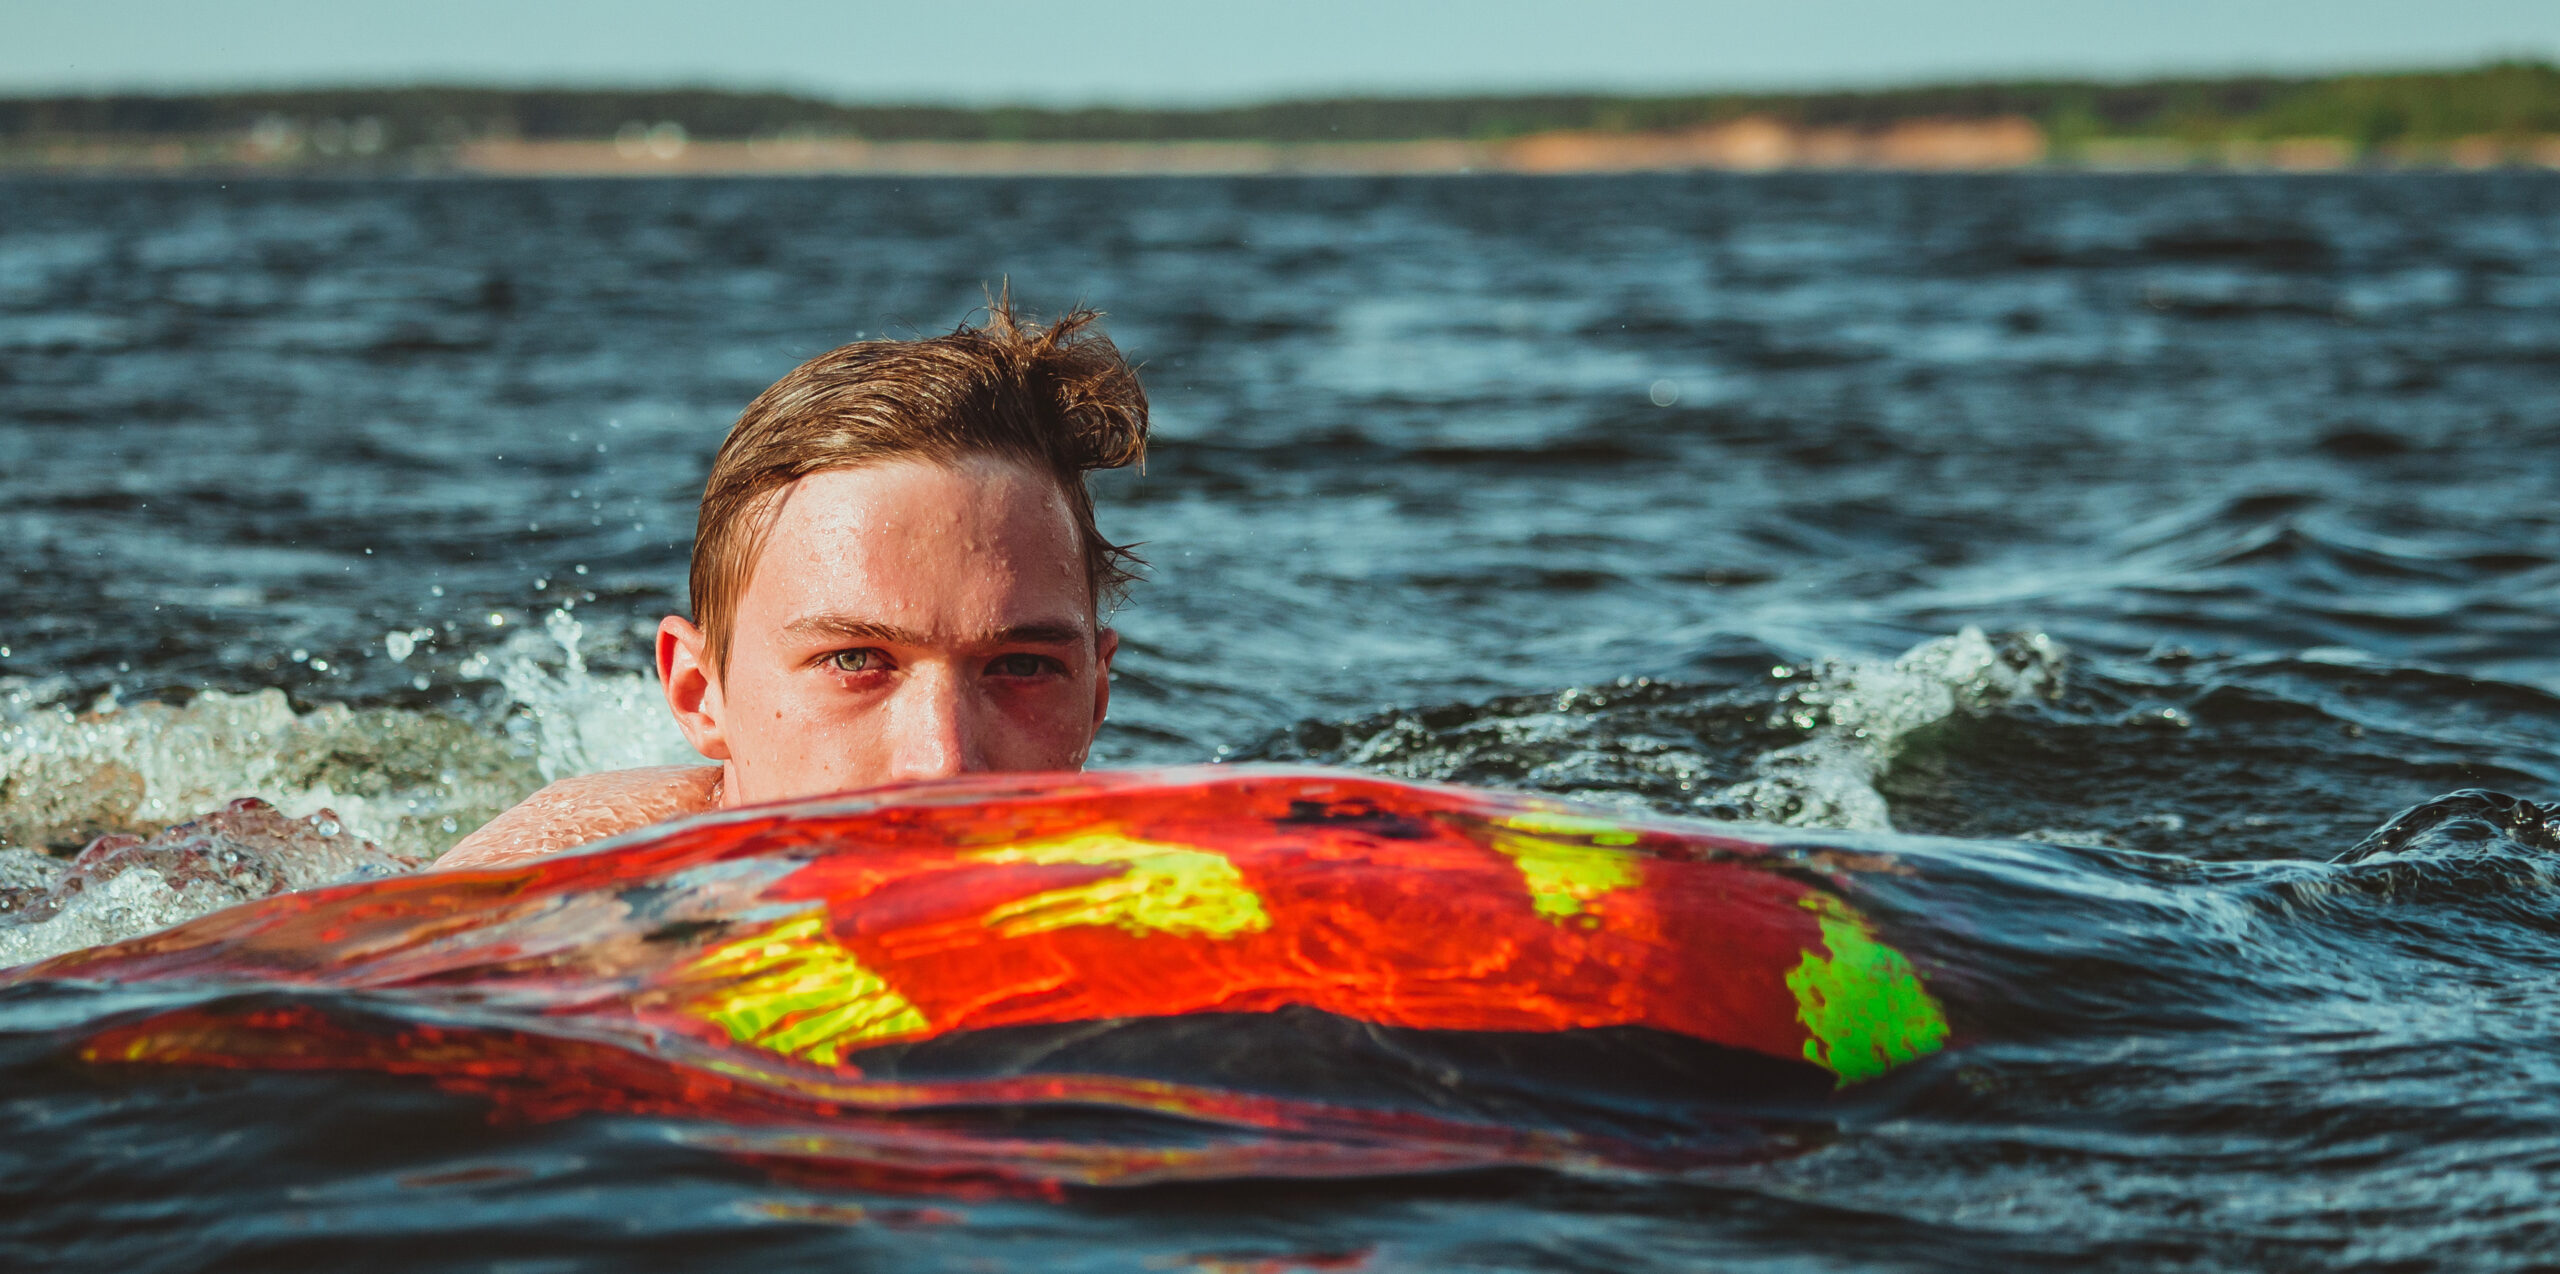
(1051, 632)
(850, 629)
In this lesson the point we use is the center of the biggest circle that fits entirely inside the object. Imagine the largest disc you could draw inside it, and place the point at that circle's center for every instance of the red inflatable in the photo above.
(782, 980)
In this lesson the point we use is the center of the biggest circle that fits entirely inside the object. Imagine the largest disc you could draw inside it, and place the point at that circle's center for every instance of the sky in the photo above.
(1204, 51)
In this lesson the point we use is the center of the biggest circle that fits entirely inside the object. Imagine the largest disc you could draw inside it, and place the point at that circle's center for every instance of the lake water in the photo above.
(2156, 538)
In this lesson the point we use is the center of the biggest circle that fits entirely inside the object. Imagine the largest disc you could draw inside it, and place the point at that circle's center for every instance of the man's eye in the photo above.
(1023, 666)
(863, 660)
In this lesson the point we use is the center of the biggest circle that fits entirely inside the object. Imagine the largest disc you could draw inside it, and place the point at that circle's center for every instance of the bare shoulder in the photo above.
(581, 810)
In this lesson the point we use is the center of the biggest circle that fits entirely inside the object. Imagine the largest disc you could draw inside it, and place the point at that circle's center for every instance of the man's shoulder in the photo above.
(585, 808)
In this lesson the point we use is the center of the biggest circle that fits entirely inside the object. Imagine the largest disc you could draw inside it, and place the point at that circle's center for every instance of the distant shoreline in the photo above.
(2500, 115)
(1753, 144)
(1747, 145)
(1940, 147)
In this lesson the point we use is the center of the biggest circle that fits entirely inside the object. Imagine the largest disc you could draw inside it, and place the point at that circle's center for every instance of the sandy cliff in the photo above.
(1752, 143)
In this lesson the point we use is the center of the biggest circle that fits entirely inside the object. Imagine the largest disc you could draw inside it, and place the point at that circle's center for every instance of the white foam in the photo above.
(137, 902)
(244, 851)
(412, 782)
(575, 721)
(1857, 715)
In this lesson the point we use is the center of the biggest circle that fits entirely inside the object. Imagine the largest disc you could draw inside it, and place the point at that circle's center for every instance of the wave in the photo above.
(2342, 1025)
(1806, 747)
(282, 799)
(2148, 943)
(123, 885)
(1971, 735)
(411, 781)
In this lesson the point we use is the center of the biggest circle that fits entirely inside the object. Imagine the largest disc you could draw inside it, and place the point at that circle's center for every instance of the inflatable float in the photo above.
(1028, 983)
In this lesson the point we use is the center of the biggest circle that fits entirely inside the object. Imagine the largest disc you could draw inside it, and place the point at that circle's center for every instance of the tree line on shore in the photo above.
(2364, 111)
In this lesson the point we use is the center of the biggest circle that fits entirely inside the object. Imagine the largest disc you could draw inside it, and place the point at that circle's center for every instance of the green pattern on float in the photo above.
(1863, 1007)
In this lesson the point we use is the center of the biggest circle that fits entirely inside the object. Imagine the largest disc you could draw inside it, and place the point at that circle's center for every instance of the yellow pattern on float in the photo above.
(794, 990)
(1565, 876)
(1161, 888)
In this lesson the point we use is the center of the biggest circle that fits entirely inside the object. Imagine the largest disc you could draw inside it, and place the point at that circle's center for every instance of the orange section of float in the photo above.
(1445, 920)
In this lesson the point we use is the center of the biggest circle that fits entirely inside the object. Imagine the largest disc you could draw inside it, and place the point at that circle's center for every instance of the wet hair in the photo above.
(1058, 398)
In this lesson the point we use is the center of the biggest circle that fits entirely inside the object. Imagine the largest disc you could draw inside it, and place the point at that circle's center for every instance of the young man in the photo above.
(896, 576)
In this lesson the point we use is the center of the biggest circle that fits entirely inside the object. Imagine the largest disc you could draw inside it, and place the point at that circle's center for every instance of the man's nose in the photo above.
(932, 728)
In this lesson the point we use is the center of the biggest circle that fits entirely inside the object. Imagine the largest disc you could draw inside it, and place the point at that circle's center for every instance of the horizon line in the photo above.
(1342, 94)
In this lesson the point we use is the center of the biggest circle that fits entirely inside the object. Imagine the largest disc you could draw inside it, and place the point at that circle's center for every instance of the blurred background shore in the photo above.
(2498, 114)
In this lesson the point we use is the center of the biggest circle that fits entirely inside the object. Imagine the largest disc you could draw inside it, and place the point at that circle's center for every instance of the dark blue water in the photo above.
(1686, 492)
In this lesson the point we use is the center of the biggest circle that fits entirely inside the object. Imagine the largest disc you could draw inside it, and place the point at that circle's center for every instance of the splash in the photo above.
(1805, 748)
(407, 784)
(572, 720)
(413, 782)
(1807, 753)
(125, 885)
(1857, 715)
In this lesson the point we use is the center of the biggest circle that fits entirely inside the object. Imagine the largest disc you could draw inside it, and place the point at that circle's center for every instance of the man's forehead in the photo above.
(912, 490)
(972, 547)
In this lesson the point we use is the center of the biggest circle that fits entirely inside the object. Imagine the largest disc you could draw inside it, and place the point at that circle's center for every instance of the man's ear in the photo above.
(692, 689)
(1105, 644)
